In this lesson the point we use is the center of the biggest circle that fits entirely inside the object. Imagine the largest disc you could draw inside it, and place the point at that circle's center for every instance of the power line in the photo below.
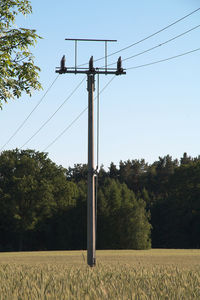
(98, 122)
(159, 45)
(83, 111)
(44, 124)
(22, 124)
(148, 37)
(162, 60)
(135, 67)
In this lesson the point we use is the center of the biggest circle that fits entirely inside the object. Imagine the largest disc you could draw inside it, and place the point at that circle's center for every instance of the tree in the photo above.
(32, 189)
(77, 173)
(159, 173)
(17, 68)
(67, 228)
(185, 159)
(113, 171)
(184, 203)
(123, 221)
(132, 172)
(176, 218)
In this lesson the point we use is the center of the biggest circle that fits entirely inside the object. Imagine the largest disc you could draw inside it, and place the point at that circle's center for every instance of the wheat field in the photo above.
(123, 274)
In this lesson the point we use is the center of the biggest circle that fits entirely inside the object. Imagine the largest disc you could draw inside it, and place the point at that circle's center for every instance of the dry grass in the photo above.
(126, 274)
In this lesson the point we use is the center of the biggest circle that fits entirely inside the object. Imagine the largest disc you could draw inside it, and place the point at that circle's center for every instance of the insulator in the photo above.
(91, 67)
(62, 64)
(119, 65)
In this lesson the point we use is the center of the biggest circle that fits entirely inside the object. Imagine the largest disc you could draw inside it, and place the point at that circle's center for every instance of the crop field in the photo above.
(124, 274)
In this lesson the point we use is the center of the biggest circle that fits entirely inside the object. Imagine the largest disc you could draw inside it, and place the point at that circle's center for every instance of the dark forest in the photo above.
(139, 205)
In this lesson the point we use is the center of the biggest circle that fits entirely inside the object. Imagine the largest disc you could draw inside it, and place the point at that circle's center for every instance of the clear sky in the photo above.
(149, 112)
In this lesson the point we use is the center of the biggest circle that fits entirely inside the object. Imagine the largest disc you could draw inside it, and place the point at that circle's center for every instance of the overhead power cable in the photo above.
(98, 121)
(47, 121)
(135, 67)
(78, 117)
(159, 45)
(22, 124)
(162, 60)
(148, 37)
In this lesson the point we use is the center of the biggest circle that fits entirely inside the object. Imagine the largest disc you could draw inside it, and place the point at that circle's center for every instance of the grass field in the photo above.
(125, 274)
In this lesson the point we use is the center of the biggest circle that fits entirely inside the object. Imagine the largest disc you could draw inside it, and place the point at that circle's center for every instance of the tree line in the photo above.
(139, 205)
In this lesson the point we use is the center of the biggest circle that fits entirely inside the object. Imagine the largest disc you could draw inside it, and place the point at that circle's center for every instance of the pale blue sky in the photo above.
(150, 112)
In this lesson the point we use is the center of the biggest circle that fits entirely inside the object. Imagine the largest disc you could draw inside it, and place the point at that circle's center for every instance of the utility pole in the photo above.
(91, 230)
(91, 72)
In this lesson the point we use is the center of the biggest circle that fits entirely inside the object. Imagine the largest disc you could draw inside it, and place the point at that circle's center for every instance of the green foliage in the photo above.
(77, 173)
(122, 219)
(183, 206)
(44, 206)
(32, 188)
(170, 189)
(176, 210)
(17, 68)
(131, 172)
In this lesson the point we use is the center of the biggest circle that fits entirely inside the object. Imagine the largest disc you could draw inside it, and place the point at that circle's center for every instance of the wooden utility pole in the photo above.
(91, 72)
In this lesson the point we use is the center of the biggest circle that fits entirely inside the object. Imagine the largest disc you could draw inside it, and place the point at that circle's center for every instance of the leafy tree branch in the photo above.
(18, 70)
